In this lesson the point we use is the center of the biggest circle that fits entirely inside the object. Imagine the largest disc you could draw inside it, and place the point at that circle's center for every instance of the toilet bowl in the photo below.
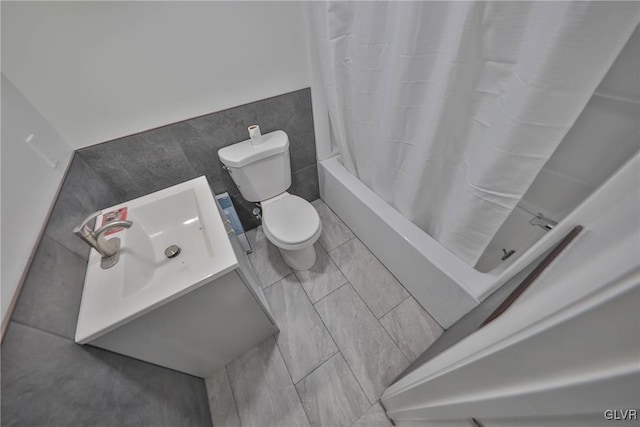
(261, 168)
(293, 226)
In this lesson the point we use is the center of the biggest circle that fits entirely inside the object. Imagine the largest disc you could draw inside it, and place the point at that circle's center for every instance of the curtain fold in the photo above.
(448, 110)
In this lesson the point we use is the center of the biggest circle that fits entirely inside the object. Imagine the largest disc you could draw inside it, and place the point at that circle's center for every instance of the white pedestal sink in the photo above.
(193, 312)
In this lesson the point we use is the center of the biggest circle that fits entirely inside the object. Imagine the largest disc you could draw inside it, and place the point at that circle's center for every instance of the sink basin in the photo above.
(144, 277)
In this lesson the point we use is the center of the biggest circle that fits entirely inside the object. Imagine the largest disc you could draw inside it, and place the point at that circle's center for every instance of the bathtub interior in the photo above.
(553, 194)
(512, 239)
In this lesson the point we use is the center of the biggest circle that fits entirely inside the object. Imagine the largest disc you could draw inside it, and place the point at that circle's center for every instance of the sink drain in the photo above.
(172, 251)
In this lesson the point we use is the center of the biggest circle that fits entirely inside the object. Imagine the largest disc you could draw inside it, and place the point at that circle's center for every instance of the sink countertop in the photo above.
(184, 214)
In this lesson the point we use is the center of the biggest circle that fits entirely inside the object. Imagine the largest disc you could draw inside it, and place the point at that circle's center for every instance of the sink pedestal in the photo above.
(194, 327)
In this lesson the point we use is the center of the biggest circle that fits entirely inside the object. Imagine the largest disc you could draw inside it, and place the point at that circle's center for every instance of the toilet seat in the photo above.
(290, 222)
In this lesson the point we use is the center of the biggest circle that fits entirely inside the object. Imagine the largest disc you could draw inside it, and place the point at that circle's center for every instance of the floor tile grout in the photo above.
(336, 289)
(355, 236)
(336, 215)
(319, 365)
(340, 351)
(293, 384)
(55, 334)
(325, 327)
(322, 363)
(397, 344)
(394, 307)
(342, 284)
(360, 296)
(341, 244)
(377, 320)
(233, 396)
(283, 277)
(372, 313)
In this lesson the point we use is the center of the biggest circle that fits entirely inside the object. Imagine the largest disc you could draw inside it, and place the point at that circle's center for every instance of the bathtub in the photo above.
(444, 285)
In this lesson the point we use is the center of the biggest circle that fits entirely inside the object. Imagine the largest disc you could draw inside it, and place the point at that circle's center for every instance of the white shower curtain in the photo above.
(448, 110)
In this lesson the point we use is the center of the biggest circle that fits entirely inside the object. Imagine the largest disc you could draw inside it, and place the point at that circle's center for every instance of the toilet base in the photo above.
(299, 259)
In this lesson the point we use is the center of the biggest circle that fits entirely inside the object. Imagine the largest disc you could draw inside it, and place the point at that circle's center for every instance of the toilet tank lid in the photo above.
(243, 153)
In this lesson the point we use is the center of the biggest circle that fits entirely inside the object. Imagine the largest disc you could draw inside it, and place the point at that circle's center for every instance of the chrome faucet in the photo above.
(95, 239)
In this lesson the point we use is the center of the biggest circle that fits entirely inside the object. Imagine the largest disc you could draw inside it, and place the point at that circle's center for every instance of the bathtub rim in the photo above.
(475, 283)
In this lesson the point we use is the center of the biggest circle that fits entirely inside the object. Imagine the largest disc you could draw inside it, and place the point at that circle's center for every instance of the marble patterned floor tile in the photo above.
(411, 327)
(373, 282)
(303, 340)
(265, 395)
(371, 354)
(374, 417)
(321, 279)
(334, 231)
(266, 258)
(331, 395)
(221, 402)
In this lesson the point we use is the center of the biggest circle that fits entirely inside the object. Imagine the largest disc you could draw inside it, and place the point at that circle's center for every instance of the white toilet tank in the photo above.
(262, 170)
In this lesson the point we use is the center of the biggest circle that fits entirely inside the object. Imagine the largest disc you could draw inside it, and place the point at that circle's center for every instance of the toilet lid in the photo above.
(290, 220)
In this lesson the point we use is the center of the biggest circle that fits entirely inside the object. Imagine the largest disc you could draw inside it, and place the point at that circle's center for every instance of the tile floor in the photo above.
(348, 328)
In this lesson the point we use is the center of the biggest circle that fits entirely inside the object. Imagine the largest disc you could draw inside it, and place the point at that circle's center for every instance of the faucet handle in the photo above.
(111, 225)
(84, 229)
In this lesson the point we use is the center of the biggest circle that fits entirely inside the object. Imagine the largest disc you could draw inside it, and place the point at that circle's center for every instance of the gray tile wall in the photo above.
(152, 160)
(47, 379)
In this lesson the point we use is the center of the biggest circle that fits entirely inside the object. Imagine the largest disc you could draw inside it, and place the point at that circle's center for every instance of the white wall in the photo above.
(31, 174)
(605, 135)
(102, 70)
(96, 71)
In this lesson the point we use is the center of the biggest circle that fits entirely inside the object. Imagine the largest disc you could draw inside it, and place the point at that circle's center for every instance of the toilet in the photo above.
(261, 168)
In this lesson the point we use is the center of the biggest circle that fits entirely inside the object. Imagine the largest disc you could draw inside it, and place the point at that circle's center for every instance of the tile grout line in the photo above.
(395, 306)
(84, 260)
(55, 334)
(341, 244)
(339, 286)
(285, 363)
(325, 328)
(292, 383)
(360, 296)
(254, 251)
(334, 354)
(383, 266)
(336, 215)
(233, 396)
(340, 351)
(323, 297)
(46, 233)
(355, 236)
(396, 343)
(368, 409)
(341, 222)
(335, 290)
(310, 372)
(280, 279)
(355, 378)
(377, 320)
